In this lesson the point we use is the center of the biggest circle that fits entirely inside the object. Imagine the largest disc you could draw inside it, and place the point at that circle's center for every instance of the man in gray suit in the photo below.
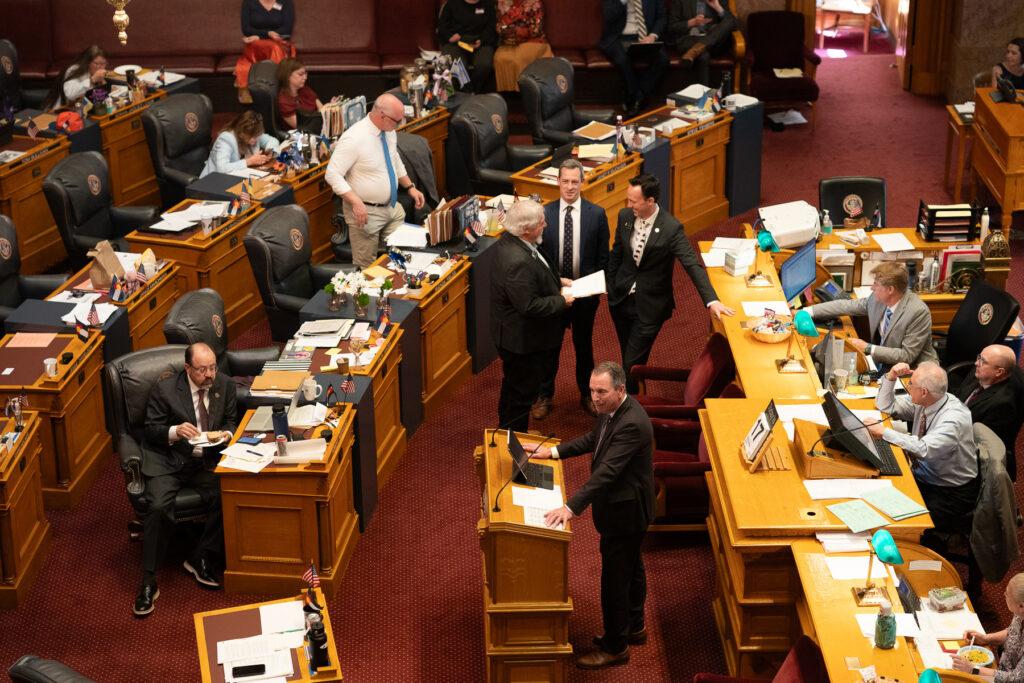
(900, 323)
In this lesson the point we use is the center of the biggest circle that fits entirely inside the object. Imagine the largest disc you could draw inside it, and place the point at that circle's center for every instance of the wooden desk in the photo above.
(279, 519)
(132, 179)
(24, 529)
(961, 134)
(697, 191)
(70, 408)
(146, 308)
(443, 348)
(217, 261)
(244, 621)
(433, 127)
(604, 184)
(997, 157)
(314, 195)
(22, 200)
(526, 577)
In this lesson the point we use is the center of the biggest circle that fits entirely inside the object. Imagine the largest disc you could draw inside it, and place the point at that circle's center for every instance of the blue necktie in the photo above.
(885, 323)
(391, 171)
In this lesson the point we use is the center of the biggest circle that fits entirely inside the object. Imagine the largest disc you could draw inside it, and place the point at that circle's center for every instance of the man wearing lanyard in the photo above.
(366, 171)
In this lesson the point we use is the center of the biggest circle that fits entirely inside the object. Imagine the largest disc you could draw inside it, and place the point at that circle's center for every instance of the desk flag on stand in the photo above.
(312, 579)
(94, 316)
(32, 128)
(331, 394)
(116, 292)
(347, 385)
(81, 330)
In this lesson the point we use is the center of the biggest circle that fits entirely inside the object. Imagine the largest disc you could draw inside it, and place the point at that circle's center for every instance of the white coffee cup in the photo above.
(50, 366)
(310, 389)
(839, 379)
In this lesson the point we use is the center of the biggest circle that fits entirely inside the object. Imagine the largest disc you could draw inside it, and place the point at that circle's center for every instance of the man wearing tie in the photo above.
(994, 393)
(181, 407)
(621, 493)
(634, 21)
(366, 171)
(526, 312)
(576, 238)
(639, 273)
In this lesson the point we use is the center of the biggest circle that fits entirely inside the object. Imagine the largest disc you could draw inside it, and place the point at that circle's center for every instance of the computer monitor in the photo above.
(798, 272)
(847, 433)
(562, 153)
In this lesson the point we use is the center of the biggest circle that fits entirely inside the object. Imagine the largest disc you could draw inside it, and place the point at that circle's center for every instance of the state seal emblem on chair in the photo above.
(218, 325)
(8, 65)
(296, 236)
(5, 248)
(985, 311)
(498, 124)
(563, 83)
(94, 184)
(191, 122)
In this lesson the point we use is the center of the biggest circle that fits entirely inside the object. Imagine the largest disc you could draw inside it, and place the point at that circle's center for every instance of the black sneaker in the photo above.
(145, 599)
(202, 573)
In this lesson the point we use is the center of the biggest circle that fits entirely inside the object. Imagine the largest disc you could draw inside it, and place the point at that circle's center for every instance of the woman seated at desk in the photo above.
(1011, 661)
(242, 144)
(88, 71)
(1012, 66)
(298, 107)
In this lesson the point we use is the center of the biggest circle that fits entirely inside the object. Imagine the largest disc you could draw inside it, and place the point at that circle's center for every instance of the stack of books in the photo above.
(451, 218)
(948, 222)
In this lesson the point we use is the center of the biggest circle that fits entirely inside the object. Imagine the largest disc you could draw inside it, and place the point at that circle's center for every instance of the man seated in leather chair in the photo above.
(699, 33)
(992, 393)
(181, 407)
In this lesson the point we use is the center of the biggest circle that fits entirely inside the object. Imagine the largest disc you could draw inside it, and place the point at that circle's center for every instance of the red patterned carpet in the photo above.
(409, 608)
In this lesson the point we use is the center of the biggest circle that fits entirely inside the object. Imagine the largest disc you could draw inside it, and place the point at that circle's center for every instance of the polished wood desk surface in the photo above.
(499, 470)
(831, 606)
(244, 621)
(195, 237)
(776, 503)
(997, 156)
(664, 113)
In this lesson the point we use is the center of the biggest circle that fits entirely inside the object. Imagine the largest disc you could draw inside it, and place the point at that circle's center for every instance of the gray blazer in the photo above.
(909, 339)
(994, 532)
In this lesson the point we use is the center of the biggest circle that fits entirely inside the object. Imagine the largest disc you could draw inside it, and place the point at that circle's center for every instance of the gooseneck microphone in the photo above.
(830, 434)
(497, 508)
(506, 424)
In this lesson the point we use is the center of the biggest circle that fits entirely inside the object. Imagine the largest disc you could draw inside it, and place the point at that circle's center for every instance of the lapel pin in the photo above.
(657, 230)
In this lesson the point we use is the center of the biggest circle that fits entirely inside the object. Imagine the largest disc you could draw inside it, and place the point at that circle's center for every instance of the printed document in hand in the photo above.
(588, 285)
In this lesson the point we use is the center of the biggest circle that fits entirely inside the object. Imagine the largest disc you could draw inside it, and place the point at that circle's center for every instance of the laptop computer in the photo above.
(526, 472)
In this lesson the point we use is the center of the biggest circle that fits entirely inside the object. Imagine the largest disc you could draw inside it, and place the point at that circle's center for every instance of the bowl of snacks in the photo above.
(771, 330)
(976, 655)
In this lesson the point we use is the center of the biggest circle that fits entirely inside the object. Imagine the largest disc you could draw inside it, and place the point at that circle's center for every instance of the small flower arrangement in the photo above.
(346, 283)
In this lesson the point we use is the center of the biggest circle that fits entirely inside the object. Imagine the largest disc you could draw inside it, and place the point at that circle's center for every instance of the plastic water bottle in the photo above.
(885, 627)
(618, 134)
(726, 88)
(826, 224)
(851, 368)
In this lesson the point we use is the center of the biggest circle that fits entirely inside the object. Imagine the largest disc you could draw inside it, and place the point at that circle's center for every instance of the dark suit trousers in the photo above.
(479, 64)
(521, 375)
(715, 42)
(161, 491)
(623, 589)
(636, 339)
(580, 318)
(636, 85)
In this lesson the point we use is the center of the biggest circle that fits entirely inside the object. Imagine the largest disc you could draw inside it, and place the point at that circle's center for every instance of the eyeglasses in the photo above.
(206, 369)
(392, 119)
(980, 360)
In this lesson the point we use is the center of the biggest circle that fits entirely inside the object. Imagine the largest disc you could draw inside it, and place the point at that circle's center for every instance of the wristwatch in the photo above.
(975, 670)
(410, 186)
(868, 349)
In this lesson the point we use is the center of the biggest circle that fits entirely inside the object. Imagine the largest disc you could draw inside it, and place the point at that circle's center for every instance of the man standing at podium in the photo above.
(621, 493)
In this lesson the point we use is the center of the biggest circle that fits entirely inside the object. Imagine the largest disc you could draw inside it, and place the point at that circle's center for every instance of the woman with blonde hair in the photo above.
(242, 144)
(1011, 661)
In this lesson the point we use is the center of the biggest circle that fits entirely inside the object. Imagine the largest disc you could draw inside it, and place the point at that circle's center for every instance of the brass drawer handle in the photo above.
(699, 142)
(136, 123)
(610, 187)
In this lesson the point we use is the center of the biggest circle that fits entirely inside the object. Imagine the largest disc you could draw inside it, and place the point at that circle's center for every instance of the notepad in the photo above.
(894, 503)
(857, 515)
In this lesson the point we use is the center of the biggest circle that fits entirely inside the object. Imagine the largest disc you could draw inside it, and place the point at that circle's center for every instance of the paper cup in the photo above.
(50, 367)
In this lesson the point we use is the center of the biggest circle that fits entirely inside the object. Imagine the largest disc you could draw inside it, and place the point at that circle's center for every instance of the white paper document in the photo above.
(81, 312)
(588, 285)
(535, 517)
(755, 309)
(925, 566)
(171, 226)
(301, 452)
(854, 568)
(247, 172)
(282, 617)
(905, 624)
(278, 667)
(249, 463)
(254, 646)
(843, 542)
(713, 258)
(893, 242)
(825, 489)
(790, 117)
(307, 416)
(733, 244)
(862, 291)
(68, 297)
(408, 235)
(528, 496)
(948, 625)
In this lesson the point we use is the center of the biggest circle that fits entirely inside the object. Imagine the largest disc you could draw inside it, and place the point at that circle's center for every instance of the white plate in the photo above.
(202, 440)
(123, 69)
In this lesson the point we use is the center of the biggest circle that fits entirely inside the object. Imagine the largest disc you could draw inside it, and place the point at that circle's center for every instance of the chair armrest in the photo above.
(130, 452)
(128, 218)
(739, 46)
(495, 176)
(811, 56)
(673, 412)
(179, 178)
(290, 302)
(681, 469)
(40, 286)
(642, 372)
(679, 436)
(249, 362)
(87, 243)
(521, 156)
(323, 272)
(33, 98)
(957, 367)
(585, 116)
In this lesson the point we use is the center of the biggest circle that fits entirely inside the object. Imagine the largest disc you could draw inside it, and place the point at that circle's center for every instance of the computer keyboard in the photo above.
(889, 465)
(540, 476)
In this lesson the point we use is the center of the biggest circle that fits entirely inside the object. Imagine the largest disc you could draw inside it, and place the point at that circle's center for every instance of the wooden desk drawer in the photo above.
(124, 125)
(146, 319)
(30, 174)
(436, 307)
(536, 627)
(700, 143)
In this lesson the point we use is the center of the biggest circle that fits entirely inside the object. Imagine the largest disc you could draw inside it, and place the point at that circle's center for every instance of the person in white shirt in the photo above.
(88, 71)
(366, 171)
(242, 144)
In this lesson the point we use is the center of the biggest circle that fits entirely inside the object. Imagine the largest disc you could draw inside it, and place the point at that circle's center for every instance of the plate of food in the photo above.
(976, 655)
(209, 439)
(125, 68)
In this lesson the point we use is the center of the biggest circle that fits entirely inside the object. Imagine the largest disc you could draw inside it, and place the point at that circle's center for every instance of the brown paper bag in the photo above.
(104, 266)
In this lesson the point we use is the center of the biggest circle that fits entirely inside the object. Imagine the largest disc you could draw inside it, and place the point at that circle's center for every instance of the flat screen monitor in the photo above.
(848, 433)
(798, 272)
(562, 153)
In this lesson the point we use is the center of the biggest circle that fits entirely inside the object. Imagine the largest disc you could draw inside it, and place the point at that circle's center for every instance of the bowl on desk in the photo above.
(771, 330)
(976, 655)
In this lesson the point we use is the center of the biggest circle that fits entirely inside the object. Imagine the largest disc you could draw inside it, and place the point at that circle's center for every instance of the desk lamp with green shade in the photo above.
(929, 676)
(884, 547)
(802, 325)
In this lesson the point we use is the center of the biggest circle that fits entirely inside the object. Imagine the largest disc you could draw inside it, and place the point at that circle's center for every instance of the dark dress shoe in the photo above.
(599, 659)
(202, 573)
(588, 406)
(634, 638)
(145, 599)
(541, 408)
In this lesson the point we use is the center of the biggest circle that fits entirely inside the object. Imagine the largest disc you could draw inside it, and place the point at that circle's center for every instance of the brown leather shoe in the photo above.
(635, 638)
(541, 408)
(690, 56)
(588, 406)
(599, 659)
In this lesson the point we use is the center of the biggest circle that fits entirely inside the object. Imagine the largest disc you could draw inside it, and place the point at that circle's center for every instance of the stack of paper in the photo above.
(839, 542)
(894, 503)
(278, 383)
(588, 285)
(825, 489)
(81, 312)
(246, 458)
(857, 515)
(893, 242)
(948, 625)
(408, 235)
(596, 152)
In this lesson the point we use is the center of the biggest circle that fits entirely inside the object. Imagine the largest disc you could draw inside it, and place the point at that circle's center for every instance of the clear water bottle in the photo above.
(851, 367)
(826, 224)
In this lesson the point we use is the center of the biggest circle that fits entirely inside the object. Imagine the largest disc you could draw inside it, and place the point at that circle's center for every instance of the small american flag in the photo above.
(347, 385)
(499, 212)
(94, 316)
(32, 128)
(311, 577)
(141, 274)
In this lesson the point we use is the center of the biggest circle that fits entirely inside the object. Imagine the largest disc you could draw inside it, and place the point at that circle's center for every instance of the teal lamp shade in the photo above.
(929, 676)
(885, 549)
(804, 325)
(766, 242)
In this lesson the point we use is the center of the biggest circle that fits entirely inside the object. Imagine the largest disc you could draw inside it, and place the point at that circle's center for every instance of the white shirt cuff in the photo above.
(554, 452)
(172, 434)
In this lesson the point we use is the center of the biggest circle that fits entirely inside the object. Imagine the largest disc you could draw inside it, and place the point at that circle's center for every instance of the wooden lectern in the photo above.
(526, 576)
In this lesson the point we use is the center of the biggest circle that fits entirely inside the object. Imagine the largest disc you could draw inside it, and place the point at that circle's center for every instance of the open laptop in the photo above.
(847, 433)
(526, 472)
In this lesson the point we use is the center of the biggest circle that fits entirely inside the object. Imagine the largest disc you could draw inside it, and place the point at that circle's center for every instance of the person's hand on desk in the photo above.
(554, 518)
(978, 637)
(186, 430)
(540, 453)
(257, 159)
(718, 309)
(961, 664)
(898, 370)
(456, 37)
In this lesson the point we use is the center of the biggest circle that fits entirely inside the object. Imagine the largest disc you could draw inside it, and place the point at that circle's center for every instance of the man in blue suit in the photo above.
(634, 21)
(576, 239)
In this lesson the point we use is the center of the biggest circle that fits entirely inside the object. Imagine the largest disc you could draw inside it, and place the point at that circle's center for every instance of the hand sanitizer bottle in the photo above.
(826, 224)
(885, 627)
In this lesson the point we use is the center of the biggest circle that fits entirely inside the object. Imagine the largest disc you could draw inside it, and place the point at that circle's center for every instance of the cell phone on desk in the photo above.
(248, 670)
(249, 440)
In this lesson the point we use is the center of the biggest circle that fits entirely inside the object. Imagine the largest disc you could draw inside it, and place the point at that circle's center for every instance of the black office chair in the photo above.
(32, 669)
(833, 194)
(78, 192)
(15, 287)
(481, 126)
(546, 86)
(178, 131)
(198, 316)
(10, 80)
(129, 381)
(263, 88)
(984, 317)
(279, 251)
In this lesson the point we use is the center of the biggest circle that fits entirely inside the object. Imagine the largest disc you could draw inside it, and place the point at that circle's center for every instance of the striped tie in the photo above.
(885, 324)
(638, 12)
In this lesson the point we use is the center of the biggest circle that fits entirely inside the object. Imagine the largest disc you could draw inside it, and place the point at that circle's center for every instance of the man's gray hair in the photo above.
(523, 215)
(614, 372)
(572, 164)
(933, 378)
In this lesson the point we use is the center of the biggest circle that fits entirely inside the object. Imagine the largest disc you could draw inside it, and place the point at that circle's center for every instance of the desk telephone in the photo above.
(830, 291)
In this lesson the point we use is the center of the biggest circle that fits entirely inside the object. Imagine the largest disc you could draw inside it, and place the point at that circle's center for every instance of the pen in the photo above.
(254, 452)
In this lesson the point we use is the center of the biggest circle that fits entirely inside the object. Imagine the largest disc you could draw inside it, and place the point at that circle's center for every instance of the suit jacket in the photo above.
(1000, 408)
(615, 20)
(909, 339)
(593, 237)
(526, 300)
(684, 10)
(170, 403)
(621, 484)
(653, 278)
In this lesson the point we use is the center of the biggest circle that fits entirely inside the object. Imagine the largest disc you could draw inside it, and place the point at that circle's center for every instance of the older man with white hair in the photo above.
(940, 443)
(526, 312)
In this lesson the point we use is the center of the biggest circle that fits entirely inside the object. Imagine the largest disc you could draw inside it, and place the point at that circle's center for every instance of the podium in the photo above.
(525, 576)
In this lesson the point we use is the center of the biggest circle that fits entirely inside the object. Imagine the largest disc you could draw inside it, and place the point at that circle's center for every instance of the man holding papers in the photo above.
(576, 239)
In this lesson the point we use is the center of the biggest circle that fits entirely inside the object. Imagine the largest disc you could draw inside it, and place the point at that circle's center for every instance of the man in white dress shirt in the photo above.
(366, 171)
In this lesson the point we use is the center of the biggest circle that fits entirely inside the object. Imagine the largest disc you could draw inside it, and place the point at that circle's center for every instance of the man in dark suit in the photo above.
(576, 239)
(181, 407)
(639, 273)
(526, 312)
(621, 493)
(995, 396)
(634, 21)
(700, 35)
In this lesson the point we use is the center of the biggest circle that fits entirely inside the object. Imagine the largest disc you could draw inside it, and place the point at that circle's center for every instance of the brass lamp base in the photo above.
(870, 596)
(790, 364)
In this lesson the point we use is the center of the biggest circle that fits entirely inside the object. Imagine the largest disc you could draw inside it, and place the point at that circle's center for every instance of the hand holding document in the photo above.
(588, 285)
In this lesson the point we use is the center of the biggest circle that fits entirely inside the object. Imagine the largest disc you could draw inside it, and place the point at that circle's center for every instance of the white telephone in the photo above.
(854, 238)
